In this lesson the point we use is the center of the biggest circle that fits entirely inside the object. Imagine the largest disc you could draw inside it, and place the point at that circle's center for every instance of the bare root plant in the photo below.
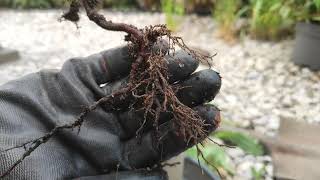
(148, 87)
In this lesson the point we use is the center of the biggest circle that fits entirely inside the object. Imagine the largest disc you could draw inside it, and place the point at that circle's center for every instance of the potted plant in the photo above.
(227, 15)
(307, 42)
(271, 19)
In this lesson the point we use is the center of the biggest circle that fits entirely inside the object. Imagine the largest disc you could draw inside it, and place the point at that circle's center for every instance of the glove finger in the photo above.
(109, 65)
(131, 175)
(180, 67)
(115, 63)
(149, 150)
(200, 87)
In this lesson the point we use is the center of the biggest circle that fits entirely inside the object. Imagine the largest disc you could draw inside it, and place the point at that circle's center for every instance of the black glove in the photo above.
(35, 104)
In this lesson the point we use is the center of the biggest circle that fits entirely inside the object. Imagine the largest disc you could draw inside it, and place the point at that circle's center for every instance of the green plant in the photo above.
(173, 9)
(199, 6)
(226, 14)
(152, 5)
(4, 3)
(247, 143)
(32, 3)
(119, 4)
(271, 19)
(258, 174)
(25, 4)
(307, 10)
(217, 157)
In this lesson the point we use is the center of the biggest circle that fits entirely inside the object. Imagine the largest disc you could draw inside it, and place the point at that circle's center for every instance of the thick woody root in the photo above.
(148, 88)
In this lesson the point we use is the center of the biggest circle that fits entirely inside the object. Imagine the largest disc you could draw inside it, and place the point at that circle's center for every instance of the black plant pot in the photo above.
(307, 48)
(192, 171)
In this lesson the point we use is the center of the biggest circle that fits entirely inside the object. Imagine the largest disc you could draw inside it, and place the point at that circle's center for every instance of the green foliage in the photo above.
(32, 3)
(247, 143)
(268, 19)
(271, 19)
(26, 4)
(258, 174)
(199, 6)
(226, 14)
(173, 10)
(307, 10)
(119, 4)
(216, 156)
(172, 7)
(317, 3)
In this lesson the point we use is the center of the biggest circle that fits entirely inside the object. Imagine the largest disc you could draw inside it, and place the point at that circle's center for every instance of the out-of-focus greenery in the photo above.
(28, 4)
(267, 19)
(227, 13)
(173, 10)
(271, 19)
(264, 19)
(199, 6)
(248, 144)
(149, 5)
(307, 10)
(258, 174)
(275, 19)
(32, 3)
(119, 4)
(189, 5)
(217, 156)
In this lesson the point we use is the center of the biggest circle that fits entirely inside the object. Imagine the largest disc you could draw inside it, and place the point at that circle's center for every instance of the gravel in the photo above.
(260, 87)
(260, 83)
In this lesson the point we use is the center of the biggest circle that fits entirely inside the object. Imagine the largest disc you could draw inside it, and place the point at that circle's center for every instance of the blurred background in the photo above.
(267, 52)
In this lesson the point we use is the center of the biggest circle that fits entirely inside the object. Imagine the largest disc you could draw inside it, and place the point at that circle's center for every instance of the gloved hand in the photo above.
(106, 146)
